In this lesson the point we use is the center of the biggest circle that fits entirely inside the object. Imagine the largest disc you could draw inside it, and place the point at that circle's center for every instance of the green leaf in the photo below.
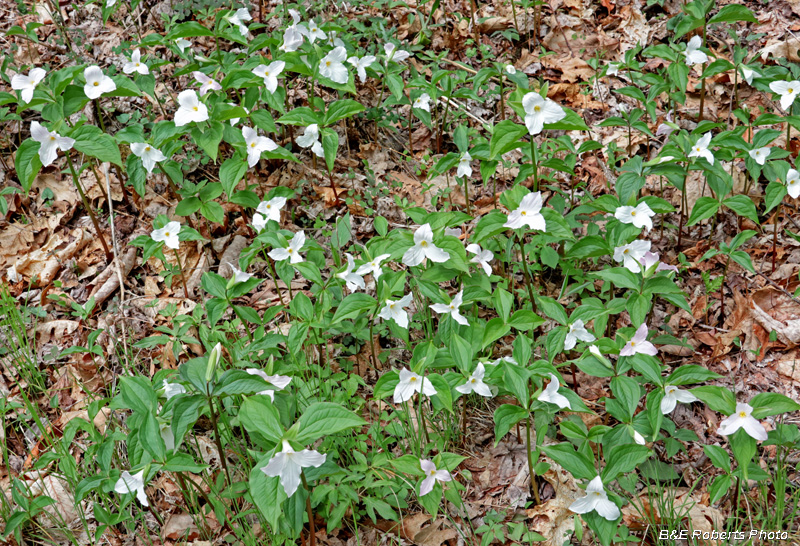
(733, 13)
(230, 173)
(330, 145)
(578, 464)
(495, 329)
(267, 493)
(27, 163)
(489, 225)
(717, 398)
(743, 206)
(138, 394)
(705, 207)
(258, 414)
(93, 142)
(719, 457)
(239, 382)
(505, 138)
(341, 109)
(300, 116)
(591, 246)
(623, 459)
(774, 195)
(620, 276)
(552, 309)
(690, 373)
(352, 306)
(505, 417)
(323, 419)
(189, 29)
(771, 403)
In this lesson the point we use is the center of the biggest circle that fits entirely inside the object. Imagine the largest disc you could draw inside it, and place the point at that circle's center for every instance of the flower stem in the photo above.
(109, 255)
(534, 486)
(775, 235)
(183, 277)
(312, 534)
(535, 166)
(218, 439)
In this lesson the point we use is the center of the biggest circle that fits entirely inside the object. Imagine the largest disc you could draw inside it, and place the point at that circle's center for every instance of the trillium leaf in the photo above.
(325, 418)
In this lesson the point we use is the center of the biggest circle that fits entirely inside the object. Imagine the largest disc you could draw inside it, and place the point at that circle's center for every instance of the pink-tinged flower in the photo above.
(256, 144)
(551, 395)
(206, 83)
(528, 213)
(190, 109)
(373, 267)
(452, 309)
(482, 257)
(700, 149)
(673, 395)
(596, 499)
(424, 248)
(631, 255)
(395, 310)
(431, 476)
(289, 464)
(742, 418)
(26, 85)
(352, 279)
(49, 143)
(269, 73)
(539, 111)
(292, 251)
(97, 83)
(640, 215)
(475, 383)
(639, 344)
(693, 54)
(410, 383)
(148, 154)
(135, 64)
(651, 258)
(787, 90)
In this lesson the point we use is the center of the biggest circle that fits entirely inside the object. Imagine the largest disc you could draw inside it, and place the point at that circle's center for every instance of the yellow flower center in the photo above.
(96, 84)
(433, 472)
(633, 213)
(742, 414)
(327, 63)
(167, 234)
(633, 344)
(147, 149)
(423, 244)
(452, 306)
(537, 108)
(52, 137)
(290, 250)
(790, 90)
(266, 73)
(195, 108)
(626, 250)
(391, 306)
(472, 380)
(137, 65)
(413, 378)
(597, 493)
(252, 144)
(268, 206)
(523, 213)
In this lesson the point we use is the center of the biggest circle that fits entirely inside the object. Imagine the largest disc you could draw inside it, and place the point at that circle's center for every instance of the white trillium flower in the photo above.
(631, 255)
(148, 154)
(638, 438)
(135, 64)
(452, 309)
(332, 66)
(575, 332)
(651, 258)
(268, 210)
(748, 74)
(373, 267)
(206, 83)
(318, 150)
(26, 85)
(432, 475)
(394, 54)
(190, 109)
(482, 257)
(640, 215)
(167, 435)
(424, 248)
(269, 73)
(280, 382)
(291, 252)
(639, 344)
(289, 464)
(168, 234)
(182, 44)
(693, 54)
(539, 111)
(395, 310)
(238, 274)
(49, 143)
(510, 69)
(97, 83)
(700, 149)
(313, 32)
(410, 383)
(528, 213)
(464, 167)
(423, 102)
(292, 39)
(475, 383)
(453, 232)
(309, 137)
(361, 65)
(172, 389)
(596, 499)
(760, 155)
(793, 183)
(673, 395)
(613, 69)
(353, 280)
(787, 90)
(238, 19)
(550, 394)
(742, 418)
(132, 483)
(256, 144)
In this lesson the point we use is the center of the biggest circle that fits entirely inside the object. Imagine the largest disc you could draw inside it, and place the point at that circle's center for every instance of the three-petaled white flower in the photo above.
(410, 383)
(693, 54)
(748, 74)
(700, 148)
(293, 35)
(793, 183)
(787, 90)
(49, 143)
(292, 251)
(238, 18)
(268, 210)
(510, 69)
(278, 381)
(26, 85)
(132, 483)
(673, 395)
(760, 155)
(612, 69)
(742, 418)
(394, 54)
(528, 213)
(424, 248)
(651, 258)
(423, 102)
(640, 215)
(269, 73)
(550, 394)
(464, 166)
(313, 32)
(639, 344)
(97, 83)
(168, 234)
(432, 475)
(135, 64)
(190, 109)
(172, 389)
(539, 111)
(148, 154)
(332, 65)
(373, 267)
(577, 331)
(256, 144)
(206, 83)
(289, 464)
(361, 65)
(352, 279)
(395, 310)
(452, 308)
(238, 274)
(482, 257)
(475, 383)
(310, 139)
(596, 499)
(631, 254)
(182, 44)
